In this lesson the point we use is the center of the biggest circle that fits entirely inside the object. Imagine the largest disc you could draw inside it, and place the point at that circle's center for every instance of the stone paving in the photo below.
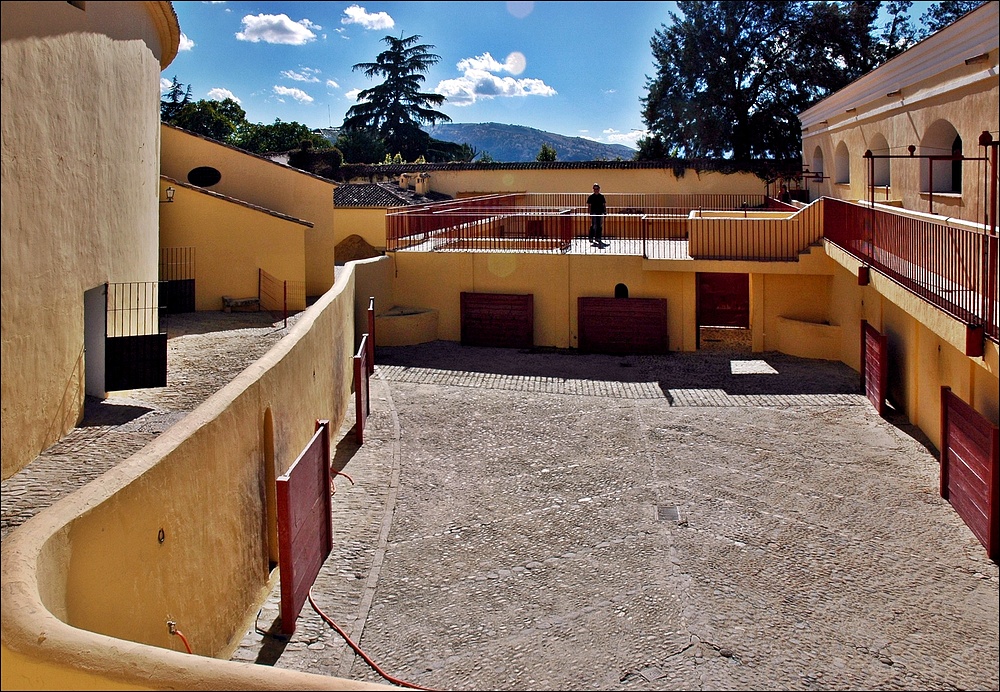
(549, 520)
(546, 520)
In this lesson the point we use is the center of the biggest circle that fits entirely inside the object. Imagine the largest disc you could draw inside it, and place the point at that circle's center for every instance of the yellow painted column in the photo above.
(757, 314)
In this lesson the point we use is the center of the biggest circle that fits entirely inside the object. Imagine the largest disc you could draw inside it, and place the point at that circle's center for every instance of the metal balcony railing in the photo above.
(652, 225)
(952, 268)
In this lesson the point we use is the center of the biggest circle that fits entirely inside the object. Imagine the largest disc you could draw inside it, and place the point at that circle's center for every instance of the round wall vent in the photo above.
(204, 176)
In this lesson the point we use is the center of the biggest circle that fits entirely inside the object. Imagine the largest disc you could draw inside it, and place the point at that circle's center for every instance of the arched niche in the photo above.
(940, 139)
(842, 164)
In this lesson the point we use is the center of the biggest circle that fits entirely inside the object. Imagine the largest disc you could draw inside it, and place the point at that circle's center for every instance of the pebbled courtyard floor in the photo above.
(543, 519)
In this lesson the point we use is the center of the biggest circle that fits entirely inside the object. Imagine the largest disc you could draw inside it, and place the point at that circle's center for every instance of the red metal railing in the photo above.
(549, 222)
(276, 295)
(952, 268)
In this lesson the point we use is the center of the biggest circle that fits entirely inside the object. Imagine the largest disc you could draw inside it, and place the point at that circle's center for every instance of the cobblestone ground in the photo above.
(717, 520)
(549, 520)
(205, 351)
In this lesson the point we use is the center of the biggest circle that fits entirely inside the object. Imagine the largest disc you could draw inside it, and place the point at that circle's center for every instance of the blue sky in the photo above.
(572, 68)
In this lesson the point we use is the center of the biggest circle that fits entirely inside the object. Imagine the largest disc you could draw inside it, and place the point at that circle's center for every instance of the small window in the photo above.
(621, 291)
(204, 176)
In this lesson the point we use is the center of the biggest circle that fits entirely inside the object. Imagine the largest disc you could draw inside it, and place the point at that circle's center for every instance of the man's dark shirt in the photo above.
(597, 204)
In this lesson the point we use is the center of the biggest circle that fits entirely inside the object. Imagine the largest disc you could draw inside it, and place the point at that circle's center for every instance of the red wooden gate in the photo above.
(723, 300)
(498, 319)
(622, 326)
(305, 523)
(874, 365)
(970, 469)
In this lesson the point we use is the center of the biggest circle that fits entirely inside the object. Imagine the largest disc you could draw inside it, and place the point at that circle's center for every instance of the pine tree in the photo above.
(396, 108)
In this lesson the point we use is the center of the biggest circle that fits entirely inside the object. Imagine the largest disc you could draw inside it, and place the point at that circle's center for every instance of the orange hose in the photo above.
(183, 639)
(359, 652)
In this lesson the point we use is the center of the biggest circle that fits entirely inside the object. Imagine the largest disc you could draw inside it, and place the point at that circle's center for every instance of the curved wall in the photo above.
(88, 584)
(79, 189)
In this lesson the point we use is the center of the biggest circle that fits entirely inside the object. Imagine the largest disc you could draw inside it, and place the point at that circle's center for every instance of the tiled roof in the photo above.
(380, 195)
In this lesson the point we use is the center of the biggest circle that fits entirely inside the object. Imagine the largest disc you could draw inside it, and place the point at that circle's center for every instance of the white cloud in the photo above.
(359, 15)
(629, 139)
(308, 74)
(186, 43)
(277, 28)
(220, 94)
(332, 84)
(291, 92)
(352, 95)
(165, 84)
(478, 81)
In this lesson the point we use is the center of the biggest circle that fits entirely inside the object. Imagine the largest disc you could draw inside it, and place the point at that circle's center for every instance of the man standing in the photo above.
(597, 206)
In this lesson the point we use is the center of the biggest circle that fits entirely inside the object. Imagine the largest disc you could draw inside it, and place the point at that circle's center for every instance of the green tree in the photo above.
(941, 14)
(216, 120)
(396, 108)
(546, 153)
(322, 162)
(279, 136)
(174, 100)
(361, 145)
(733, 76)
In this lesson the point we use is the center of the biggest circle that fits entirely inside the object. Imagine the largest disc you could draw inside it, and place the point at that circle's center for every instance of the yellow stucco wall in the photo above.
(266, 184)
(367, 222)
(70, 622)
(612, 180)
(231, 241)
(79, 200)
(435, 281)
(926, 347)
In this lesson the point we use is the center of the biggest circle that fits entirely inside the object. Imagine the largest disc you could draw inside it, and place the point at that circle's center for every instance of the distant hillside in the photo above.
(516, 143)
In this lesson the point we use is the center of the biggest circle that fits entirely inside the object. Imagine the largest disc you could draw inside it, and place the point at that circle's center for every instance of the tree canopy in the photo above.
(395, 109)
(732, 77)
(225, 121)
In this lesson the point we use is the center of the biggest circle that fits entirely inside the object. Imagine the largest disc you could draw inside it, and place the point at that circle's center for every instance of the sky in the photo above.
(578, 69)
(572, 68)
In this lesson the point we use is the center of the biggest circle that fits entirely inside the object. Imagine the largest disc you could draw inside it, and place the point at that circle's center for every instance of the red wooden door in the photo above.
(970, 469)
(874, 365)
(723, 300)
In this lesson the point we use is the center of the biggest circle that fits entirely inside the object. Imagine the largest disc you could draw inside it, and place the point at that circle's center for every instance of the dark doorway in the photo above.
(723, 301)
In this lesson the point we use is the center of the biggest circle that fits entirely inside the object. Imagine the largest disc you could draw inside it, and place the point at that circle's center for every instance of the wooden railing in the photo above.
(952, 268)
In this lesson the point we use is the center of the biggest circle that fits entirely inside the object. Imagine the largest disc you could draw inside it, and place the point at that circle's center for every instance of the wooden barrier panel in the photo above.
(305, 523)
(874, 365)
(498, 319)
(621, 326)
(371, 335)
(970, 469)
(362, 398)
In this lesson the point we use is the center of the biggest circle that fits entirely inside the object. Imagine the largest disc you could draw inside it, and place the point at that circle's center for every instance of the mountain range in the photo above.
(517, 143)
